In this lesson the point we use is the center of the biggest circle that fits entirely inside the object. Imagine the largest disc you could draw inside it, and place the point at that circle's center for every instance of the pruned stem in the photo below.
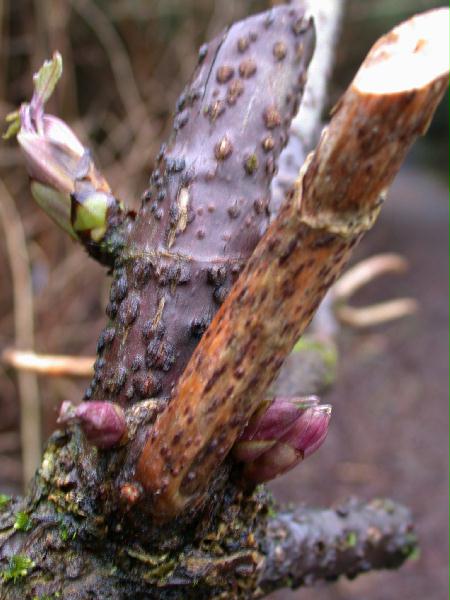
(335, 201)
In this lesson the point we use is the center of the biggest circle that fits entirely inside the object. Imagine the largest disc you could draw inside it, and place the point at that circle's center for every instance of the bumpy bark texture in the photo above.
(207, 205)
(70, 548)
(351, 539)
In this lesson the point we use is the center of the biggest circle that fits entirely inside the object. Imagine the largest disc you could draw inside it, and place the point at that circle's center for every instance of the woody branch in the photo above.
(336, 199)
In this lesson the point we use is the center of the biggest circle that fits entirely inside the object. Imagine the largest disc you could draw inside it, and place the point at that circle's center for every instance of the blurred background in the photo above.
(125, 63)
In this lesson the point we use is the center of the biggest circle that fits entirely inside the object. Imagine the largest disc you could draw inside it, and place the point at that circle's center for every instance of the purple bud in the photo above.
(305, 437)
(310, 430)
(103, 423)
(269, 425)
(64, 180)
(53, 153)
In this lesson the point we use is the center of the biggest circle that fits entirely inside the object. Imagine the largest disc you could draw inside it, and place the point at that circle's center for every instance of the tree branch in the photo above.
(390, 102)
(306, 545)
(357, 277)
(30, 402)
(206, 206)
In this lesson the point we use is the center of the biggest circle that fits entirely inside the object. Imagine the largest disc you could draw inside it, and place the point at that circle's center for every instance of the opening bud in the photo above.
(64, 180)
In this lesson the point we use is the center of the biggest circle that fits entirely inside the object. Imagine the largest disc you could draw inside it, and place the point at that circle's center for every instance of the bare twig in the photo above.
(359, 276)
(119, 60)
(126, 86)
(376, 314)
(48, 364)
(366, 271)
(30, 408)
(389, 103)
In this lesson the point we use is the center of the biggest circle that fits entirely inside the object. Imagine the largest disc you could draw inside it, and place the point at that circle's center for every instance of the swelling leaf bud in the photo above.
(304, 437)
(269, 424)
(103, 423)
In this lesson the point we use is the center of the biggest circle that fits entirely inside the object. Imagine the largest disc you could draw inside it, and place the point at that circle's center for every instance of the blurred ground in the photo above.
(125, 63)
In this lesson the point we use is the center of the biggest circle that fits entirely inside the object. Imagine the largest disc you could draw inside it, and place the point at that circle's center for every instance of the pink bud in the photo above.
(305, 437)
(103, 423)
(53, 154)
(310, 430)
(65, 182)
(269, 425)
(59, 133)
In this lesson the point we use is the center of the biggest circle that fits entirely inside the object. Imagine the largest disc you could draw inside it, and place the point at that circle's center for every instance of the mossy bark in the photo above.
(241, 548)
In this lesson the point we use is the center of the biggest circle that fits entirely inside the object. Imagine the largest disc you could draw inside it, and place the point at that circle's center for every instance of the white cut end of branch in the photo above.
(411, 56)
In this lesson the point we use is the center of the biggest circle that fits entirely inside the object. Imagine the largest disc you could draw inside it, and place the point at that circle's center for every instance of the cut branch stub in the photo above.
(335, 201)
(207, 204)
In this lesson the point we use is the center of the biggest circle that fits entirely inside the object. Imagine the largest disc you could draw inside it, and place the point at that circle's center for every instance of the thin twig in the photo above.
(376, 314)
(119, 60)
(366, 271)
(359, 276)
(30, 409)
(127, 88)
(49, 364)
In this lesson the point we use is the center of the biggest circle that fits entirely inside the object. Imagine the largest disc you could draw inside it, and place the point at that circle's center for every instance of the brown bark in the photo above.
(250, 552)
(335, 201)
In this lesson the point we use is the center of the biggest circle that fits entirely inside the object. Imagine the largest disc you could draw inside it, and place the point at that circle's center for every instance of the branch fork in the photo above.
(336, 199)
